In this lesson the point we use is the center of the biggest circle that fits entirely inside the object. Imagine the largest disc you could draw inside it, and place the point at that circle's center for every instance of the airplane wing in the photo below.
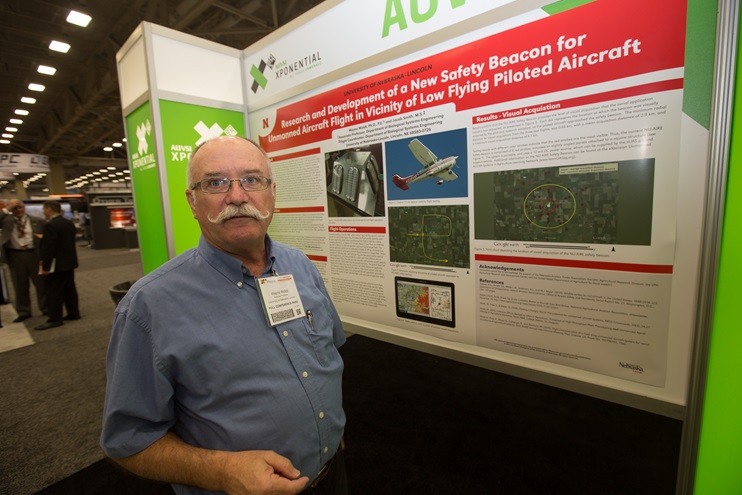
(447, 175)
(422, 153)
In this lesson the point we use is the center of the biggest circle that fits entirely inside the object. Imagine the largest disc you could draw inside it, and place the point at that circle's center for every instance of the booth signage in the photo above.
(23, 162)
(185, 126)
(146, 187)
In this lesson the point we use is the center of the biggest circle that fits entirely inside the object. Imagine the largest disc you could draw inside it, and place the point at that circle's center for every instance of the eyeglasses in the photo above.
(222, 184)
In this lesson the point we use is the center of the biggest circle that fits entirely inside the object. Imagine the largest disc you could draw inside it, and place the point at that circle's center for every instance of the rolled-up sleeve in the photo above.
(139, 403)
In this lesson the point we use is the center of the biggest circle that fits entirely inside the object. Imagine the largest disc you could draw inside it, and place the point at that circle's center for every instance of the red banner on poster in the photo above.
(557, 53)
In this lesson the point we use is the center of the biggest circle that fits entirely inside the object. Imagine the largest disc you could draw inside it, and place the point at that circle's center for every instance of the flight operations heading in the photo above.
(540, 59)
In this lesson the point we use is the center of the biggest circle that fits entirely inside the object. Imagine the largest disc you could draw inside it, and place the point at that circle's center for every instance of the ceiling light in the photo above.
(58, 46)
(119, 173)
(16, 121)
(11, 129)
(78, 19)
(4, 141)
(107, 148)
(117, 145)
(20, 111)
(8, 136)
(28, 100)
(111, 168)
(36, 87)
(45, 69)
(124, 140)
(96, 173)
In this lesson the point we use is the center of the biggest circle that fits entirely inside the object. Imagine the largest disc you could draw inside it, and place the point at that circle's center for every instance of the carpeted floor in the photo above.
(417, 423)
(52, 390)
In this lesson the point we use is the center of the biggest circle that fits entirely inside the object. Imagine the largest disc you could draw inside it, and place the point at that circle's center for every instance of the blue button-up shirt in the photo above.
(191, 351)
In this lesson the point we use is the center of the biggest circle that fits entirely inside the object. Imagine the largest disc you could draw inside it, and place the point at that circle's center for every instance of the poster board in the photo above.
(563, 203)
(314, 93)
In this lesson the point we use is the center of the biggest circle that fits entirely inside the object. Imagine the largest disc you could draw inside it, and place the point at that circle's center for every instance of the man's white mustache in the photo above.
(232, 211)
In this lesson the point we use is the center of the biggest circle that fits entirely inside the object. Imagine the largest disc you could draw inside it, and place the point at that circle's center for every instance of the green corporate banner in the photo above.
(184, 127)
(146, 187)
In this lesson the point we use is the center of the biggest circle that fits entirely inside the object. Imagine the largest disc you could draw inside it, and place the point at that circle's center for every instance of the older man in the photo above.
(20, 246)
(209, 387)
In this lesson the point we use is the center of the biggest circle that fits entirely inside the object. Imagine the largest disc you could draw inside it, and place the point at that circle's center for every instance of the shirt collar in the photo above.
(228, 265)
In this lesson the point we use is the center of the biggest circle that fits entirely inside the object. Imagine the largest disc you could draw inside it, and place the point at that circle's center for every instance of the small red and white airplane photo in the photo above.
(432, 167)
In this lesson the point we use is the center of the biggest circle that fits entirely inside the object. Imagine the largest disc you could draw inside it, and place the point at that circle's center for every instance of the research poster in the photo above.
(513, 188)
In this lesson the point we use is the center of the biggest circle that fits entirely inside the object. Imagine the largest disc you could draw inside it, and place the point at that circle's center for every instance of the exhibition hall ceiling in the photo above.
(79, 111)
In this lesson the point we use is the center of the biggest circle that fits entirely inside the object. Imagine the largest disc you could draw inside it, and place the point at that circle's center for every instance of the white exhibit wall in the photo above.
(355, 35)
(133, 76)
(192, 67)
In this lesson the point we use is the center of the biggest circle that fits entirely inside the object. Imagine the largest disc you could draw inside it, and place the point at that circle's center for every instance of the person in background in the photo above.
(203, 391)
(20, 250)
(58, 260)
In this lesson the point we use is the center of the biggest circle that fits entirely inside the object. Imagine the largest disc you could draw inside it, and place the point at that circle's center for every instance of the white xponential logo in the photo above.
(143, 130)
(215, 130)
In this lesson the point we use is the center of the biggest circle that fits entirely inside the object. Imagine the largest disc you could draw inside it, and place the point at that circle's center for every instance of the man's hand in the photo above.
(262, 472)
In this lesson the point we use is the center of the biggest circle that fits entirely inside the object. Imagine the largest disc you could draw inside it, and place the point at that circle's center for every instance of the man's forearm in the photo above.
(240, 473)
(173, 461)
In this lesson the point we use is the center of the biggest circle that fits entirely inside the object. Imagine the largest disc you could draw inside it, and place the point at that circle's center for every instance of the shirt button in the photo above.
(304, 374)
(285, 333)
(325, 450)
(239, 284)
(321, 415)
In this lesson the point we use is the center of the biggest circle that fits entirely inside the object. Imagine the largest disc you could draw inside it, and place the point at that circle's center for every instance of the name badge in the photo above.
(280, 299)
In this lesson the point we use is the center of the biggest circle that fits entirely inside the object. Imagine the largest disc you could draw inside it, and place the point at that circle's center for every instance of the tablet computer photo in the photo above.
(425, 300)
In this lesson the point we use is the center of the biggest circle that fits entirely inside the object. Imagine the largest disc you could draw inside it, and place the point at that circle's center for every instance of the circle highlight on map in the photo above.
(549, 206)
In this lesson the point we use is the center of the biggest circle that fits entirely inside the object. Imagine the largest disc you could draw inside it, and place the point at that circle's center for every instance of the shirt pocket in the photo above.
(319, 330)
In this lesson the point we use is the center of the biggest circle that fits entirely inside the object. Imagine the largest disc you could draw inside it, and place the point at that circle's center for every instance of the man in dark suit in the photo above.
(20, 249)
(57, 265)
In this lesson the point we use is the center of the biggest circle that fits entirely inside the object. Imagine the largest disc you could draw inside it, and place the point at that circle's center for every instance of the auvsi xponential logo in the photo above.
(181, 152)
(143, 130)
(258, 73)
(205, 132)
(144, 157)
(284, 68)
(396, 14)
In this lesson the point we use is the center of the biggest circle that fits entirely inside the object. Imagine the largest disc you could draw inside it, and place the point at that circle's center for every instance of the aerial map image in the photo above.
(599, 203)
(430, 235)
